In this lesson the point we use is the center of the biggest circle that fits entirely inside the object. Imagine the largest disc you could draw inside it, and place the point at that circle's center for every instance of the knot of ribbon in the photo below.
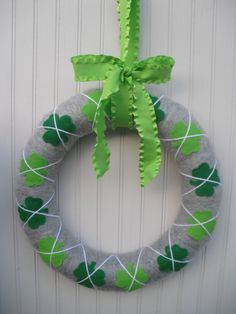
(124, 94)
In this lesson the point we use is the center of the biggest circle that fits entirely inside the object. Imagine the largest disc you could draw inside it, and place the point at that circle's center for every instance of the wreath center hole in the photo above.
(114, 214)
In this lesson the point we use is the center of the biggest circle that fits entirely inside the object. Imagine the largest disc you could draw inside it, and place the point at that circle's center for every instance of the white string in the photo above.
(136, 269)
(182, 137)
(57, 130)
(158, 100)
(55, 242)
(195, 225)
(86, 266)
(186, 135)
(197, 178)
(197, 220)
(203, 182)
(41, 168)
(97, 104)
(39, 213)
(33, 170)
(38, 210)
(171, 252)
(53, 128)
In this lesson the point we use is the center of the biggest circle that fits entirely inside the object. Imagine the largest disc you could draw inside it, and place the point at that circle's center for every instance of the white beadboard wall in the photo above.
(37, 38)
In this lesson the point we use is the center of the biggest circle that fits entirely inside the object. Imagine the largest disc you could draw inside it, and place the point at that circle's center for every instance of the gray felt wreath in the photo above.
(180, 135)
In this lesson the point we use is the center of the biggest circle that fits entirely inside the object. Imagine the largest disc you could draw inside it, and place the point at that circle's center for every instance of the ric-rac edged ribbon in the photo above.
(124, 93)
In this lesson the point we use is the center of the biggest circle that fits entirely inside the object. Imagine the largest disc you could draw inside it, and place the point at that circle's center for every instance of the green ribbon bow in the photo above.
(124, 93)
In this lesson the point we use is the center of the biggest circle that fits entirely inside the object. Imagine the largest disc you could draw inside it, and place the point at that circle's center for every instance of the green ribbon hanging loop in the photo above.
(124, 95)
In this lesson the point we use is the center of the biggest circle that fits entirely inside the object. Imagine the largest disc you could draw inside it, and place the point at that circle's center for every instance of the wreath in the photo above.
(123, 102)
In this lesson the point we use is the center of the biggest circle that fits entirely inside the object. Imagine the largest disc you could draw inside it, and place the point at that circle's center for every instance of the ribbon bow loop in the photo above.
(124, 93)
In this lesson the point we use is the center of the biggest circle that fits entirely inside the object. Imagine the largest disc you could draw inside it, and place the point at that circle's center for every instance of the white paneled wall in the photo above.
(37, 38)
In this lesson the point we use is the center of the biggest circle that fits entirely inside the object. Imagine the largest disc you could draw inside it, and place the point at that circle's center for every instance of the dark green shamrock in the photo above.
(206, 188)
(33, 204)
(179, 253)
(98, 278)
(160, 115)
(63, 123)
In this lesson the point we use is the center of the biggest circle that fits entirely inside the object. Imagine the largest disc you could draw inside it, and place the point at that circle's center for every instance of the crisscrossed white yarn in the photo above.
(133, 277)
(58, 130)
(34, 169)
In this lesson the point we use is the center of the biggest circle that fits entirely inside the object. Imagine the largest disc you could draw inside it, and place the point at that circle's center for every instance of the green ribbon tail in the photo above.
(101, 152)
(145, 121)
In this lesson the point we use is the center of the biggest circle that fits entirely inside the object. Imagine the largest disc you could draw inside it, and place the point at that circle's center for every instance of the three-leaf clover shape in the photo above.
(97, 277)
(89, 109)
(33, 204)
(37, 163)
(45, 245)
(197, 232)
(191, 144)
(179, 254)
(203, 172)
(64, 125)
(126, 282)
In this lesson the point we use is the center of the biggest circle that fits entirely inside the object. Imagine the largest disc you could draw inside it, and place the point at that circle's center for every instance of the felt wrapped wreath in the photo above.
(123, 102)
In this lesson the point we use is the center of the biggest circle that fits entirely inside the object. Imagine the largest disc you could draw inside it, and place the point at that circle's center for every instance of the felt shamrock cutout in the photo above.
(33, 204)
(45, 245)
(63, 123)
(90, 108)
(123, 86)
(98, 278)
(124, 281)
(206, 188)
(179, 253)
(36, 162)
(197, 232)
(160, 115)
(190, 145)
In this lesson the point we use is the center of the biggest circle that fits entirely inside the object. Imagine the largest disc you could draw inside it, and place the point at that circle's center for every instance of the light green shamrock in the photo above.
(34, 178)
(197, 232)
(190, 145)
(124, 281)
(45, 245)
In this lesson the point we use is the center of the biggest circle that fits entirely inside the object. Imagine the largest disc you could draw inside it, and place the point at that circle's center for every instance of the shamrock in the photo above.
(33, 204)
(123, 87)
(197, 232)
(37, 163)
(190, 145)
(45, 245)
(89, 109)
(160, 115)
(179, 254)
(63, 123)
(97, 278)
(124, 281)
(205, 188)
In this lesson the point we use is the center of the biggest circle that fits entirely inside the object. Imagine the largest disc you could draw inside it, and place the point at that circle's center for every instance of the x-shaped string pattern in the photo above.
(58, 130)
(133, 277)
